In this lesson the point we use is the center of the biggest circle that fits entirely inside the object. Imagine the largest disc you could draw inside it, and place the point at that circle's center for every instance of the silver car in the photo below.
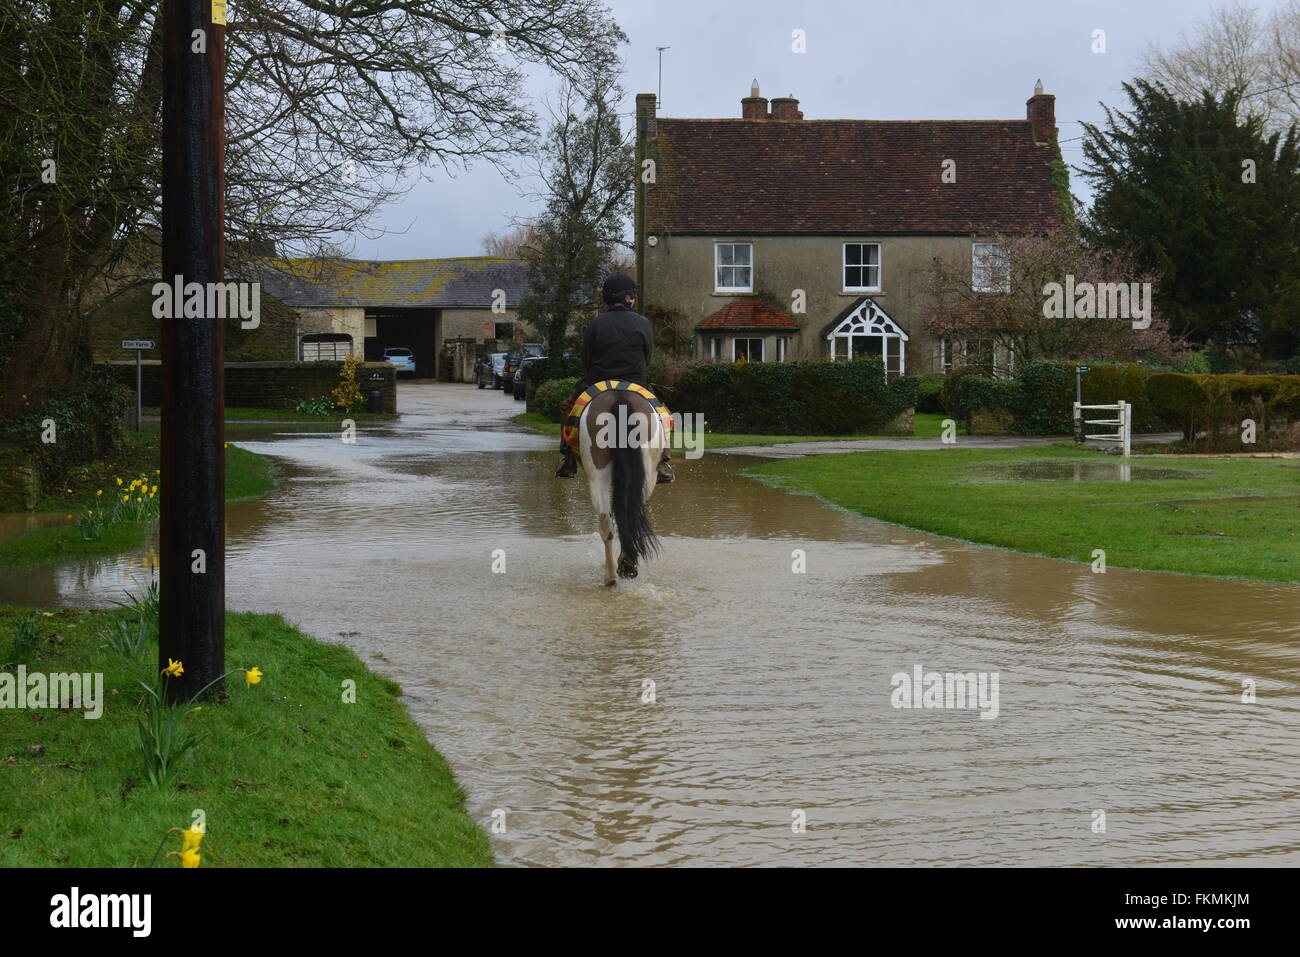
(491, 370)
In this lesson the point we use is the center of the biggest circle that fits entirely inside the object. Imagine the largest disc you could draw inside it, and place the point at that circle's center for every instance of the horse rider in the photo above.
(616, 345)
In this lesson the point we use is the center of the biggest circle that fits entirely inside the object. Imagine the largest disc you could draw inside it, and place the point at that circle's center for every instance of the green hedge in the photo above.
(1217, 404)
(550, 394)
(553, 367)
(929, 396)
(793, 398)
(1040, 399)
(88, 423)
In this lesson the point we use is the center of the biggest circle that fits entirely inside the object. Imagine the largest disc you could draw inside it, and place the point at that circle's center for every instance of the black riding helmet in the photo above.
(616, 287)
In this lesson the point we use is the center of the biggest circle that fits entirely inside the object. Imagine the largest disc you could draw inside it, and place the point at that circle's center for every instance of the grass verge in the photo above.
(927, 425)
(247, 475)
(1237, 518)
(287, 775)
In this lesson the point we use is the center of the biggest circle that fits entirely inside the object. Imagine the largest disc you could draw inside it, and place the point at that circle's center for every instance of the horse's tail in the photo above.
(635, 536)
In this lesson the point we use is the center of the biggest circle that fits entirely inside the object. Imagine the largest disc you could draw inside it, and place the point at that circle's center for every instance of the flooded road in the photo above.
(1118, 693)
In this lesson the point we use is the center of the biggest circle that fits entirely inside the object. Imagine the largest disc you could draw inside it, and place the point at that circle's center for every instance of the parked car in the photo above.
(513, 358)
(400, 358)
(489, 369)
(519, 385)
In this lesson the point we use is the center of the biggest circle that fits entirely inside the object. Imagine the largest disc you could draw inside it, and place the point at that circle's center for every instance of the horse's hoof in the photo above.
(626, 569)
(611, 583)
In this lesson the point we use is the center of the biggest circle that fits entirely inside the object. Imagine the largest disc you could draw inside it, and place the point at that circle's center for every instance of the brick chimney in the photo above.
(1040, 110)
(754, 107)
(645, 115)
(786, 108)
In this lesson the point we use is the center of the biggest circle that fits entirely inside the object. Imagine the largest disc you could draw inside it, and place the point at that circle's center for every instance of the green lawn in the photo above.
(247, 475)
(1237, 518)
(927, 426)
(287, 774)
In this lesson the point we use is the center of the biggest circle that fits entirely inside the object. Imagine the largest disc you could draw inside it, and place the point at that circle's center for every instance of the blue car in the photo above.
(400, 358)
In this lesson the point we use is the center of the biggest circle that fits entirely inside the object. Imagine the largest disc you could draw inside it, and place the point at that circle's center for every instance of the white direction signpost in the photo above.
(139, 345)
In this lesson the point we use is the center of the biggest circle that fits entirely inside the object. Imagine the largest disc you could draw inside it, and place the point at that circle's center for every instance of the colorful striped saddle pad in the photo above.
(570, 428)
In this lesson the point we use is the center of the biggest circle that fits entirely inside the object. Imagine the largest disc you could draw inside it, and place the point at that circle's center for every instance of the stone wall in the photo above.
(271, 385)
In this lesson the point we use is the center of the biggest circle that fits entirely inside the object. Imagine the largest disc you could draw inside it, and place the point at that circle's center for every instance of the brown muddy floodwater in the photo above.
(1118, 693)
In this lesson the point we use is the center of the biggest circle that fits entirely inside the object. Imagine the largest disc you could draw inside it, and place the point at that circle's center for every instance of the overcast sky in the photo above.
(908, 60)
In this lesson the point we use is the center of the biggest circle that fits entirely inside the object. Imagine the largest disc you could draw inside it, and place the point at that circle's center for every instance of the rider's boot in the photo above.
(569, 467)
(665, 473)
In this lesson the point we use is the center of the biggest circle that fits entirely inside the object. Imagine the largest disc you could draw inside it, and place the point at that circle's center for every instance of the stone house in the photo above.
(444, 310)
(772, 237)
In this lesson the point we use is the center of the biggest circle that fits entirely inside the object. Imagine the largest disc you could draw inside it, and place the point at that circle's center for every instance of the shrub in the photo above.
(347, 394)
(550, 394)
(795, 398)
(1217, 404)
(929, 389)
(553, 367)
(88, 423)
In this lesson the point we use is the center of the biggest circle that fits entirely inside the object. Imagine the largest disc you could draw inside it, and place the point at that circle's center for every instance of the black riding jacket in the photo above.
(617, 345)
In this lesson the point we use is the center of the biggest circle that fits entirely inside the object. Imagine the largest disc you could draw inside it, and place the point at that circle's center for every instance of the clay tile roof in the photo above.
(748, 315)
(468, 282)
(850, 177)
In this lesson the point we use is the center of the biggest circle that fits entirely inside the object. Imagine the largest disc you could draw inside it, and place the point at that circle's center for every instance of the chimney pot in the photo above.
(1040, 110)
(754, 107)
(785, 108)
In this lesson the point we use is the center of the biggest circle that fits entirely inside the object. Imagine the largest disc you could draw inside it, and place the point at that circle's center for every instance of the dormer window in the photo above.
(733, 267)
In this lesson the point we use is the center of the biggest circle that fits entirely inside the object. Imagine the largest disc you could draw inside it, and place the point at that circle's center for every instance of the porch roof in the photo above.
(748, 315)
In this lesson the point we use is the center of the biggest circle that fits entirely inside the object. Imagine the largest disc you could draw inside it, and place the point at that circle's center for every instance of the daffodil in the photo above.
(252, 675)
(99, 493)
(119, 481)
(192, 838)
(174, 668)
(126, 498)
(190, 858)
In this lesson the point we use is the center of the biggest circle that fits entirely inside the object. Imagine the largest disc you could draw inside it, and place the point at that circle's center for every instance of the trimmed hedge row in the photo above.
(1040, 399)
(1217, 404)
(550, 395)
(793, 398)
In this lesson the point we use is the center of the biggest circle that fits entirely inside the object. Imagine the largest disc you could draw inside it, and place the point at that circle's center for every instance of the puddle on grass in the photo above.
(1084, 472)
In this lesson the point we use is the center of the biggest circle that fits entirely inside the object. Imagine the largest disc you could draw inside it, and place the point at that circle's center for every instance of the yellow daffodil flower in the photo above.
(252, 675)
(192, 837)
(190, 858)
(174, 668)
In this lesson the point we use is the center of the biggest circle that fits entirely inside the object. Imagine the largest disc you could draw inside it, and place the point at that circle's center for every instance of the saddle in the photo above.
(569, 430)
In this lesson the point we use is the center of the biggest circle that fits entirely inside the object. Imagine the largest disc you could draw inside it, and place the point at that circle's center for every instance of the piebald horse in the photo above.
(621, 474)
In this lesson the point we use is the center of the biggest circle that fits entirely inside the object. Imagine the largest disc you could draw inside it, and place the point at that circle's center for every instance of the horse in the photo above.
(621, 474)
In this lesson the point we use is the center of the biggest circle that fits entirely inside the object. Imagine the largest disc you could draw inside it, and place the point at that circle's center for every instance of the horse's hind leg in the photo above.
(607, 537)
(626, 567)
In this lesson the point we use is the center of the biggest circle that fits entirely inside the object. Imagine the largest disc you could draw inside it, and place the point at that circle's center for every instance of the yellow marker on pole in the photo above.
(219, 12)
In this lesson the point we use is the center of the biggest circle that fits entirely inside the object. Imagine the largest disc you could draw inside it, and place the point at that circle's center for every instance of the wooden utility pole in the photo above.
(192, 536)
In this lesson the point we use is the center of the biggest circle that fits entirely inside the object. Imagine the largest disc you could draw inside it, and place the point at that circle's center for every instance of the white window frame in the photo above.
(762, 347)
(715, 349)
(945, 359)
(982, 279)
(717, 255)
(780, 348)
(879, 266)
